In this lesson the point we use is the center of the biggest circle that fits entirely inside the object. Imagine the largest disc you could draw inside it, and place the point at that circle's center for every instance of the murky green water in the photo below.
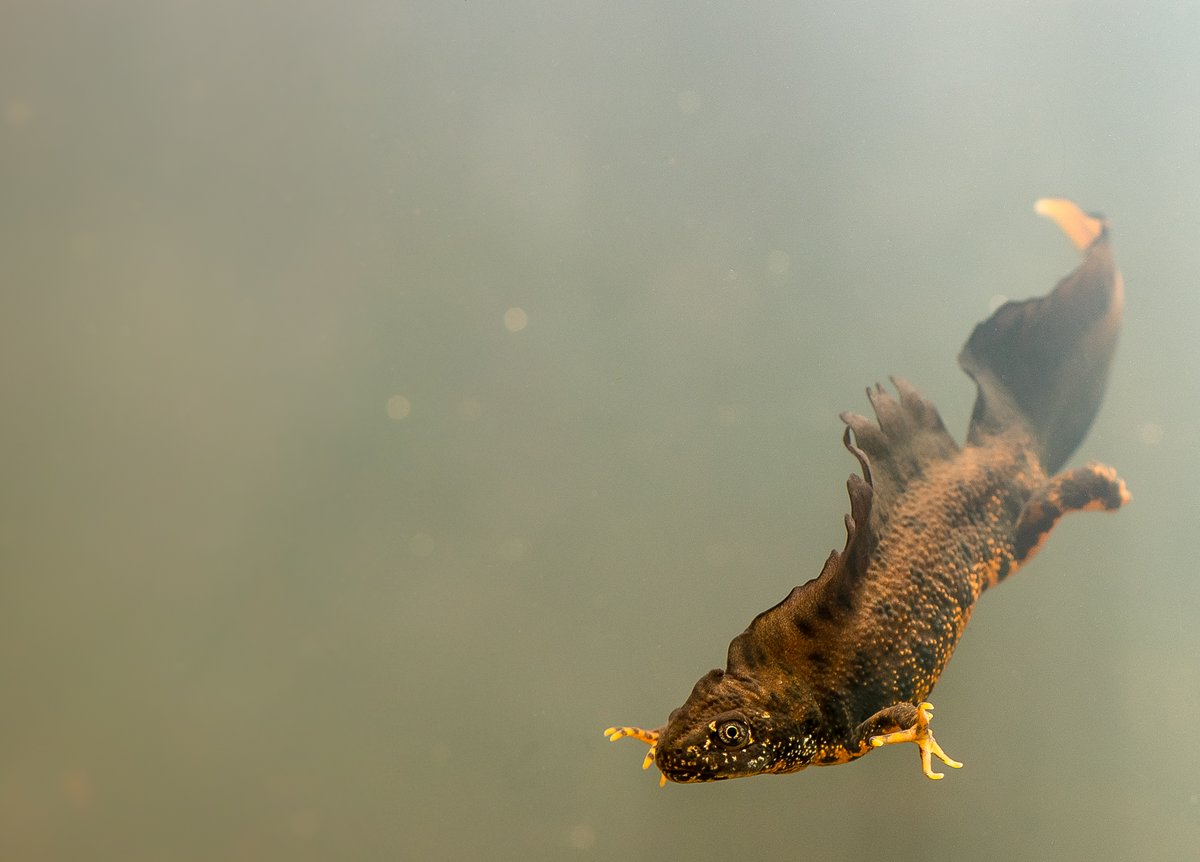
(395, 395)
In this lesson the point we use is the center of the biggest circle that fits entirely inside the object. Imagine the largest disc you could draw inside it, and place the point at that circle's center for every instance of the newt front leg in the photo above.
(650, 737)
(913, 722)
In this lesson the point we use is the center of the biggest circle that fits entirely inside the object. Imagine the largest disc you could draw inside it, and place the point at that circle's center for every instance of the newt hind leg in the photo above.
(1094, 487)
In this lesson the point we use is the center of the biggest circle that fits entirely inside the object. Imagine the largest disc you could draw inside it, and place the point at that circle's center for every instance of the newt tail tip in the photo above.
(1081, 228)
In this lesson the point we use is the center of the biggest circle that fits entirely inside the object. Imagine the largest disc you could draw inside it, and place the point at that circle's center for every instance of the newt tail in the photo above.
(845, 663)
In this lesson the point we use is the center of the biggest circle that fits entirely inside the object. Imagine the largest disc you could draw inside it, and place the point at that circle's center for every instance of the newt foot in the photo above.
(923, 737)
(650, 737)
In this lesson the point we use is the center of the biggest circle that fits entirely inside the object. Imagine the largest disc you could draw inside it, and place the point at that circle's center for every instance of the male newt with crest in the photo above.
(845, 663)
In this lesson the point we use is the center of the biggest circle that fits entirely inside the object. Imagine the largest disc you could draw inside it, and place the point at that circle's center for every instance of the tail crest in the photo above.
(1044, 362)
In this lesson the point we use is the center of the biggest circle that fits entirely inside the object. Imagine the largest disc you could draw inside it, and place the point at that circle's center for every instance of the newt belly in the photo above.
(845, 663)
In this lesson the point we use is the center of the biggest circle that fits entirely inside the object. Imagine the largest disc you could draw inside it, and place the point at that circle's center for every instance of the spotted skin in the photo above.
(846, 662)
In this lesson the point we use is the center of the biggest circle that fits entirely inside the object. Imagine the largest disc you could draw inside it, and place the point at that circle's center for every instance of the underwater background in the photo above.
(397, 394)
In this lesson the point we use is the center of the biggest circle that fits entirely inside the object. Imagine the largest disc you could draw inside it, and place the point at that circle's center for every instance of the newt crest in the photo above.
(845, 663)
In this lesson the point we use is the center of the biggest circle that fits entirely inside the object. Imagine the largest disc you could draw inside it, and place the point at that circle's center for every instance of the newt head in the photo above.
(727, 729)
(759, 715)
(732, 727)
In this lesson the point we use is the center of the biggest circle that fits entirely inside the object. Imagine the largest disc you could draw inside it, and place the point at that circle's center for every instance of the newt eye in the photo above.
(733, 734)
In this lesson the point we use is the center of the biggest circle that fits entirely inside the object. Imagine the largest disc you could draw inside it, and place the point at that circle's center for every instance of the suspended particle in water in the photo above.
(515, 319)
(16, 113)
(1149, 433)
(398, 407)
(582, 836)
(778, 263)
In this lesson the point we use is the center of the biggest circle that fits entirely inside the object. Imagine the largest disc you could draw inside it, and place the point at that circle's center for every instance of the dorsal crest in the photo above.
(892, 451)
(778, 636)
(906, 437)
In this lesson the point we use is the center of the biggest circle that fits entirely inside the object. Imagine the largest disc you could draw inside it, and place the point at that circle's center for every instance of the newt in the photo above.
(846, 662)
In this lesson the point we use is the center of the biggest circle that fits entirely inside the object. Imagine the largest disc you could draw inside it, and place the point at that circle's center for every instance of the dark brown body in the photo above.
(952, 535)
(845, 661)
(948, 539)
